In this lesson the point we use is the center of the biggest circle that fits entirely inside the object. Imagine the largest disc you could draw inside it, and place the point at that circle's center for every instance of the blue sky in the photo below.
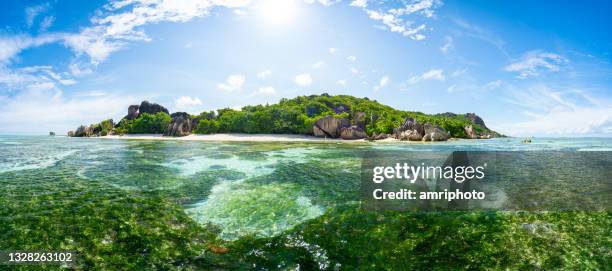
(527, 67)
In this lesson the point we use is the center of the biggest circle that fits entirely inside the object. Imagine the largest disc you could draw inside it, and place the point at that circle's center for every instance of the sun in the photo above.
(277, 12)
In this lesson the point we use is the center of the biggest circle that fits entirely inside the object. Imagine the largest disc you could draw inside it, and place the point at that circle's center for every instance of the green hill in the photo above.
(295, 116)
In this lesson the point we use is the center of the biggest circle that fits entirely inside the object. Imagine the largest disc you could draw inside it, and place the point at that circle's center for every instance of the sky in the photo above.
(528, 68)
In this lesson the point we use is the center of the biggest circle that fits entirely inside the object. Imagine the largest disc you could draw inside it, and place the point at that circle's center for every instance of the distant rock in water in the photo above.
(51, 133)
(151, 108)
(180, 125)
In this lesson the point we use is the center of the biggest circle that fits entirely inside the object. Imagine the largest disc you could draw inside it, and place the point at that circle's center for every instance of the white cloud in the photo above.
(359, 3)
(535, 62)
(42, 108)
(240, 12)
(354, 70)
(472, 30)
(79, 69)
(351, 58)
(93, 93)
(322, 2)
(333, 50)
(402, 20)
(46, 23)
(123, 20)
(580, 121)
(33, 11)
(266, 90)
(551, 112)
(24, 78)
(264, 74)
(114, 27)
(232, 83)
(188, 45)
(303, 80)
(449, 44)
(341, 82)
(184, 103)
(384, 81)
(318, 65)
(493, 85)
(10, 46)
(433, 74)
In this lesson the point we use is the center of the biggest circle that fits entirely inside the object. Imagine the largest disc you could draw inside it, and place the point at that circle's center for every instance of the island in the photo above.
(323, 116)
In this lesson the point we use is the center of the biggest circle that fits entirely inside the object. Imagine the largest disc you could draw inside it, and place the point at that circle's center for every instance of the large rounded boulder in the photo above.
(151, 108)
(434, 133)
(470, 132)
(352, 132)
(329, 126)
(132, 112)
(84, 131)
(409, 124)
(180, 125)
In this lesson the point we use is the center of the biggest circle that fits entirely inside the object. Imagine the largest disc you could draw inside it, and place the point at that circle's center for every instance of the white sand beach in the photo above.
(235, 138)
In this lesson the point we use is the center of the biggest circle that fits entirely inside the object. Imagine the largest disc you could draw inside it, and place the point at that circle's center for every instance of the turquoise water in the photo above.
(181, 205)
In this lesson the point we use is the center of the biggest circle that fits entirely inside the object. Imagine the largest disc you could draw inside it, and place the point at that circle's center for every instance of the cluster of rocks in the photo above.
(180, 125)
(100, 129)
(413, 130)
(353, 127)
(331, 127)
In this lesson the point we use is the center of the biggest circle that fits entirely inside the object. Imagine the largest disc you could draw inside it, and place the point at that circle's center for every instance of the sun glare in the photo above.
(276, 12)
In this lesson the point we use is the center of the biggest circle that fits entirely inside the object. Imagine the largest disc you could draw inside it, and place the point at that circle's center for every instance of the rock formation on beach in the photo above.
(180, 125)
(329, 126)
(413, 130)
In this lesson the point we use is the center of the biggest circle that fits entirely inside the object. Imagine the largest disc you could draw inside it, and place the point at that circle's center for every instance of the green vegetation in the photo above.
(352, 239)
(293, 116)
(103, 128)
(297, 116)
(128, 213)
(145, 124)
(206, 126)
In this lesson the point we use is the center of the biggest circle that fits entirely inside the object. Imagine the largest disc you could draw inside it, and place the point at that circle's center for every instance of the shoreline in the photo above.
(238, 138)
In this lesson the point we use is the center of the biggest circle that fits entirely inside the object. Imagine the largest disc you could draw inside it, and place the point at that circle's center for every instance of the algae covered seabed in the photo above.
(151, 205)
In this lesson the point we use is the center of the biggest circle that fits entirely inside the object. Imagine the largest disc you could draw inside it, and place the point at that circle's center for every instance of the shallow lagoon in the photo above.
(192, 205)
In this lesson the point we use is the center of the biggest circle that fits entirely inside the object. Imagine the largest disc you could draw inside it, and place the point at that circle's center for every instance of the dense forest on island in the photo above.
(292, 116)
